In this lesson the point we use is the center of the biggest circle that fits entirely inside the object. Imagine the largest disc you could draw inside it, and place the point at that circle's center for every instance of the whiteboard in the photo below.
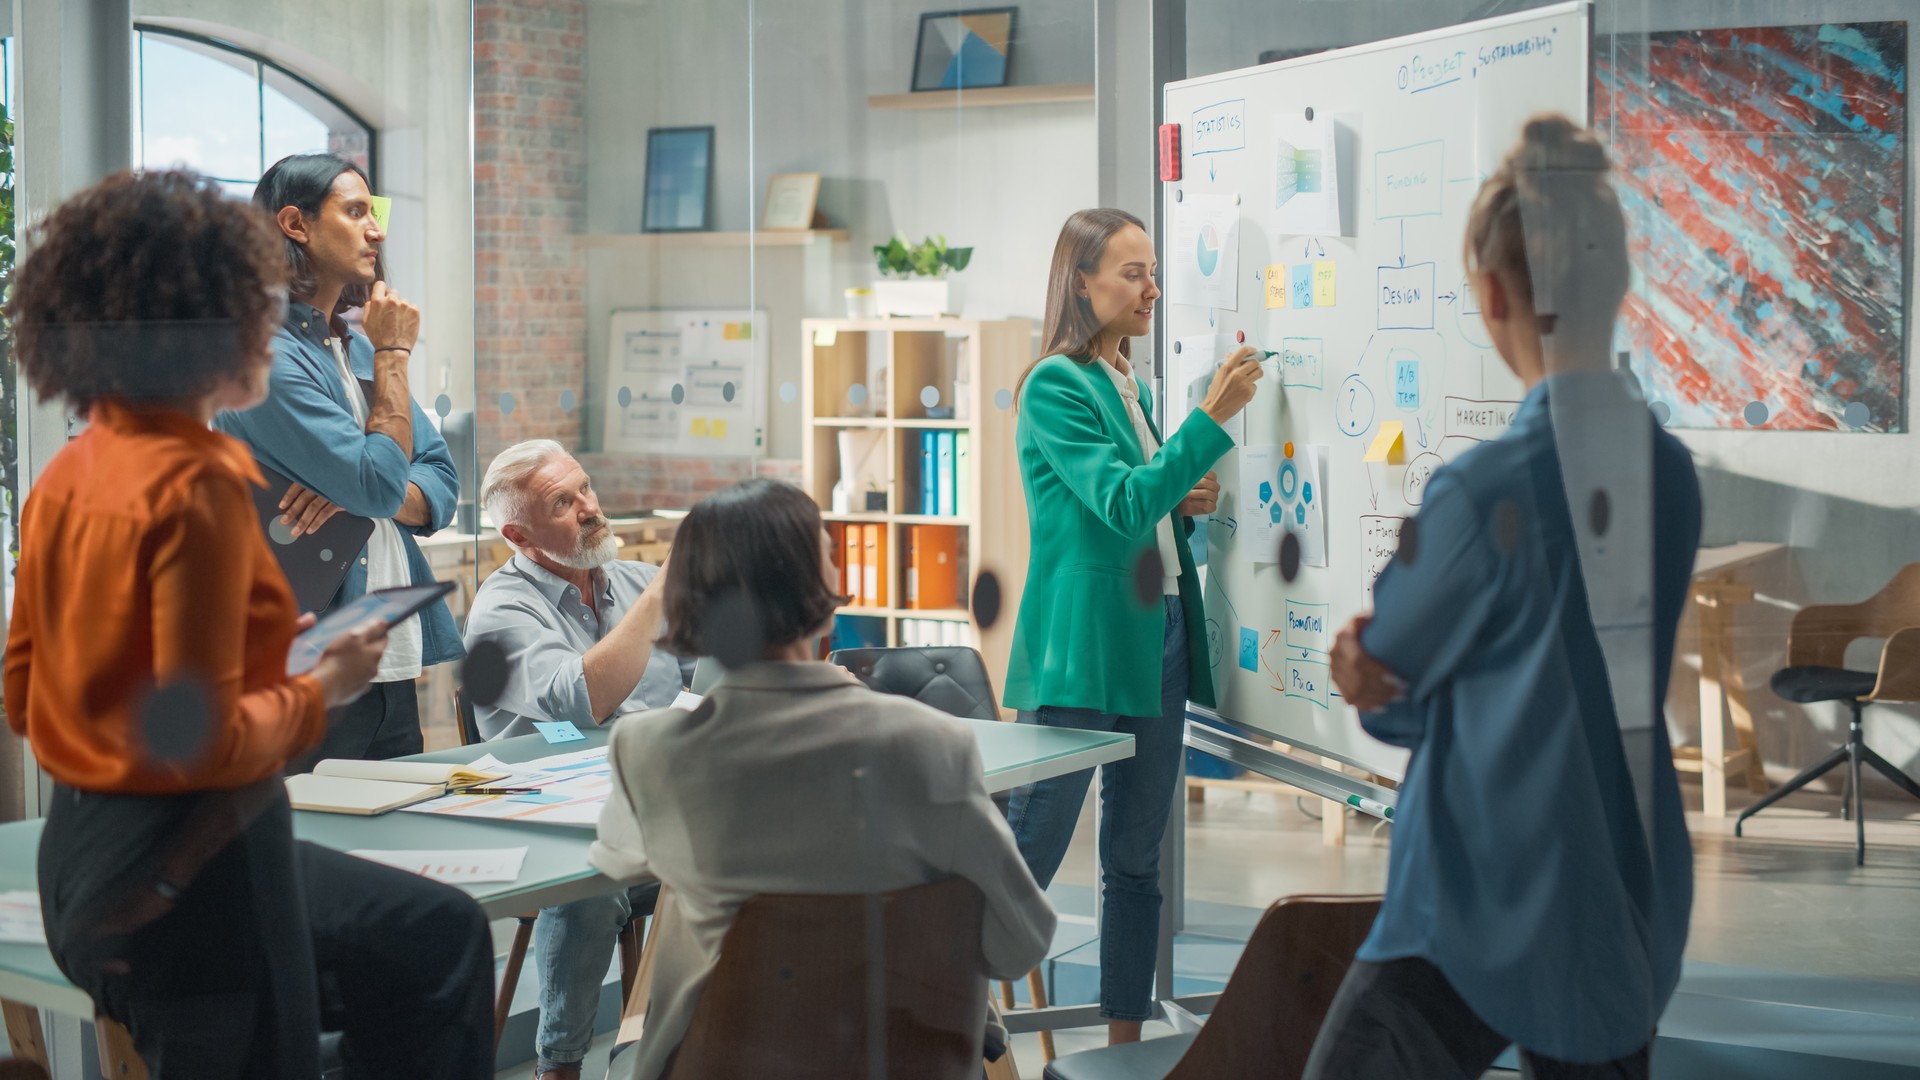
(686, 383)
(1320, 212)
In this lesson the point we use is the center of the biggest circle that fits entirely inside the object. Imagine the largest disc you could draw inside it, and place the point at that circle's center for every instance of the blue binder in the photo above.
(943, 473)
(927, 493)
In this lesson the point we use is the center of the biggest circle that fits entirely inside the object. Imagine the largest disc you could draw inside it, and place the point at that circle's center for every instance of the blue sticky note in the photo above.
(559, 731)
(539, 797)
(1406, 384)
(1300, 285)
(1249, 649)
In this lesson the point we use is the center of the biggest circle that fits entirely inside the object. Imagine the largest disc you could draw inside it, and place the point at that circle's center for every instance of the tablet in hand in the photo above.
(386, 606)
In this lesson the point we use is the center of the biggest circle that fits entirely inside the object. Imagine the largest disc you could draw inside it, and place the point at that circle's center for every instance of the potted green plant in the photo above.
(913, 277)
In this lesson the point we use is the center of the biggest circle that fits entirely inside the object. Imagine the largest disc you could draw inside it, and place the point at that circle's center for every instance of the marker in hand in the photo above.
(1240, 338)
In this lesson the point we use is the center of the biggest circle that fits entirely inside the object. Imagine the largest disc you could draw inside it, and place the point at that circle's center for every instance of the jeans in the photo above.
(1136, 796)
(380, 724)
(1402, 1018)
(573, 944)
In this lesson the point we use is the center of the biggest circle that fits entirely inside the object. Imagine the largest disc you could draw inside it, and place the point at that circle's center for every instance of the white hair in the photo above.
(503, 492)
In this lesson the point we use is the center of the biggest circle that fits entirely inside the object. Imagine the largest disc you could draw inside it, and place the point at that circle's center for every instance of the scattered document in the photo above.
(20, 922)
(1306, 176)
(464, 867)
(1204, 263)
(569, 789)
(1283, 489)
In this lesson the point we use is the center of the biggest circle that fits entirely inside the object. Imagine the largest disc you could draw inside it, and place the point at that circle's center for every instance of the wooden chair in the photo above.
(523, 931)
(953, 679)
(16, 1069)
(1266, 1019)
(1816, 671)
(795, 993)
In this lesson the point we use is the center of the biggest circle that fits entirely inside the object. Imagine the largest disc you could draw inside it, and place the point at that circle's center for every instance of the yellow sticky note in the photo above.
(1389, 447)
(382, 210)
(825, 338)
(730, 331)
(699, 426)
(719, 429)
(746, 331)
(1323, 283)
(1276, 286)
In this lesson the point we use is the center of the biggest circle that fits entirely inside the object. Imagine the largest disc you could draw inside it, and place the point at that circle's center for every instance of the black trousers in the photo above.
(272, 941)
(1403, 1019)
(382, 723)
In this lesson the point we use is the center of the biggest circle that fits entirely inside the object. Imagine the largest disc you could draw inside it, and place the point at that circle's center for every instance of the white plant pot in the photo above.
(917, 297)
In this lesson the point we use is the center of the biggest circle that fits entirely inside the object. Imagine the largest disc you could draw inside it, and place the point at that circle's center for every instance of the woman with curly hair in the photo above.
(146, 665)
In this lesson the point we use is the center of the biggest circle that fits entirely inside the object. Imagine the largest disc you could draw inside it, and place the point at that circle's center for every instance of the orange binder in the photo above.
(850, 567)
(873, 565)
(933, 578)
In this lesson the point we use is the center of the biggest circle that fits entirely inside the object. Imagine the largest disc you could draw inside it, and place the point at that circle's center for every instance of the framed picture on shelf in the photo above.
(791, 201)
(679, 177)
(963, 50)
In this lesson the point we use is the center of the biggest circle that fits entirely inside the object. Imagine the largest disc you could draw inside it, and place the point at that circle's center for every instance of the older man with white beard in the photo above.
(577, 625)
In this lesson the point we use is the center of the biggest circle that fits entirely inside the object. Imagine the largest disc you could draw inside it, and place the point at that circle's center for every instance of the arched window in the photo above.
(228, 113)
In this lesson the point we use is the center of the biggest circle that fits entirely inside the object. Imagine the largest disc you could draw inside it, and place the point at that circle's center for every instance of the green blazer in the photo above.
(1082, 638)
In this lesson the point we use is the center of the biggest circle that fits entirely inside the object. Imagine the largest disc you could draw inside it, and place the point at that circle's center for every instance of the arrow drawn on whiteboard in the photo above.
(1212, 174)
(1447, 297)
(1403, 241)
(1373, 493)
(1420, 432)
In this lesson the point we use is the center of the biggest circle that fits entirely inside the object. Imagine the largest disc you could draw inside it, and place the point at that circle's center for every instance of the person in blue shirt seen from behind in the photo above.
(1529, 901)
(341, 422)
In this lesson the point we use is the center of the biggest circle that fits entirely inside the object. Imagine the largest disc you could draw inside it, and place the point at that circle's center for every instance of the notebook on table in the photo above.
(345, 786)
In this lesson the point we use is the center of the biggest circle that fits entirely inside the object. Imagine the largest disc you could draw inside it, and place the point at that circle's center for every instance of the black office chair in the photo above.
(951, 678)
(1816, 657)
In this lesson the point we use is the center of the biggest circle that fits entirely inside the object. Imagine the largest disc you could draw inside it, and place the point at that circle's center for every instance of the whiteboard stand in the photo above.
(1328, 781)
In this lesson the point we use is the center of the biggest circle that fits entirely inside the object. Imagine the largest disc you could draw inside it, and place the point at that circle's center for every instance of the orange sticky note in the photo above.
(1276, 286)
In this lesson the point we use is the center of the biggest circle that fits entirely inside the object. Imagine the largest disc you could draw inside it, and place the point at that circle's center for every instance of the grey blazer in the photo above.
(796, 778)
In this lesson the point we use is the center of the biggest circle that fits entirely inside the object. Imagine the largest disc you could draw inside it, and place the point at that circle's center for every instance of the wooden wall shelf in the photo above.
(779, 238)
(985, 97)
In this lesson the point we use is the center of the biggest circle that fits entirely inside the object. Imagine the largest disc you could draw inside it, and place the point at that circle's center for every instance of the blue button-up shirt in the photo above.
(546, 627)
(305, 430)
(1519, 865)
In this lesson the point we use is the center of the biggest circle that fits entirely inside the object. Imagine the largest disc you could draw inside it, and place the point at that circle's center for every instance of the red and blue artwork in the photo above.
(1763, 175)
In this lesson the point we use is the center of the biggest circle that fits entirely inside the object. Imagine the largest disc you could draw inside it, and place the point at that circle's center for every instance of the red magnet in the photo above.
(1169, 152)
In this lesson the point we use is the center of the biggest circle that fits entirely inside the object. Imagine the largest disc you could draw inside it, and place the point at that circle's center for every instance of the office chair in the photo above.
(1816, 656)
(793, 994)
(1268, 1016)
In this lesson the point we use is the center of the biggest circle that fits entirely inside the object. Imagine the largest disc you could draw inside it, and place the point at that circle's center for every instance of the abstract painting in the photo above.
(962, 50)
(1763, 175)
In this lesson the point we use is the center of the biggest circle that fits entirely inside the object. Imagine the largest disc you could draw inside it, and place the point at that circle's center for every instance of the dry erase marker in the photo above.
(1368, 806)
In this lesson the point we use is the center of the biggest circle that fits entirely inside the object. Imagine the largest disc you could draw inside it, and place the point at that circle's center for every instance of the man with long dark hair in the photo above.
(341, 422)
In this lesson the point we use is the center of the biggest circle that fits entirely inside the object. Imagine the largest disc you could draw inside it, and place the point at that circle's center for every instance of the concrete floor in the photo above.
(1786, 897)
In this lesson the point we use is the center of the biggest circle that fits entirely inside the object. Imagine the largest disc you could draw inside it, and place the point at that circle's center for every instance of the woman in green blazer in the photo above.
(1111, 586)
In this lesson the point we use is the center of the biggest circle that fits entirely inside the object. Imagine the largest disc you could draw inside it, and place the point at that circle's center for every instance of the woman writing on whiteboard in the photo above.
(1110, 583)
(1528, 900)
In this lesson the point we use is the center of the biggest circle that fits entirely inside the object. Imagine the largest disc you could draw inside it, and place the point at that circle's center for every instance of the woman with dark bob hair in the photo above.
(146, 666)
(759, 788)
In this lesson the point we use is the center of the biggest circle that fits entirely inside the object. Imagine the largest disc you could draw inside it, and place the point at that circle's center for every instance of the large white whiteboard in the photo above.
(1410, 128)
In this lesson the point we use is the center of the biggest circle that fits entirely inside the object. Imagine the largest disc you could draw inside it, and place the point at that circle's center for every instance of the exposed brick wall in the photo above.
(627, 482)
(530, 200)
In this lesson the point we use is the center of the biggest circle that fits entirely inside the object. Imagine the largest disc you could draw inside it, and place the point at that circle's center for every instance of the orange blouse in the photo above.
(143, 567)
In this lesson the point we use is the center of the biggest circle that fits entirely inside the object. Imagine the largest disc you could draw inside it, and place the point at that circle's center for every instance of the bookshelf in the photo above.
(868, 388)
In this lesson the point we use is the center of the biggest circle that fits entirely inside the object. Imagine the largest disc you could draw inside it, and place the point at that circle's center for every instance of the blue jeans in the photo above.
(573, 944)
(1136, 796)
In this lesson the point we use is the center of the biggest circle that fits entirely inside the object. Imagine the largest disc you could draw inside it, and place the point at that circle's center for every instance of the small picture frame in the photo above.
(963, 50)
(679, 179)
(792, 199)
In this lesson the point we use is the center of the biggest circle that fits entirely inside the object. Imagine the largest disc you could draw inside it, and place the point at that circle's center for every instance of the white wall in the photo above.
(1844, 503)
(791, 96)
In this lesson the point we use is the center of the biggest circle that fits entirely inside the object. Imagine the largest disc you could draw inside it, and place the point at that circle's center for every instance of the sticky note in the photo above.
(1389, 447)
(559, 731)
(718, 429)
(1249, 649)
(540, 798)
(382, 210)
(1300, 285)
(746, 331)
(1406, 385)
(1323, 279)
(730, 332)
(700, 427)
(1276, 279)
(825, 338)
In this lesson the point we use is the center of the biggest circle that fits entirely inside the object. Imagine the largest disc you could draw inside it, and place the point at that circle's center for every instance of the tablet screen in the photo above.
(387, 605)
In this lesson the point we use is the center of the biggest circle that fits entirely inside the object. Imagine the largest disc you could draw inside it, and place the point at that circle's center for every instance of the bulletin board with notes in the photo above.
(686, 383)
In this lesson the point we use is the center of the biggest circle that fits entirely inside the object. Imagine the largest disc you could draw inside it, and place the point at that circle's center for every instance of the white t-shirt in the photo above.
(386, 556)
(1149, 446)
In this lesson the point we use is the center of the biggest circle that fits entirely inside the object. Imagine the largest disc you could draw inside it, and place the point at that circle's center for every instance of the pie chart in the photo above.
(1209, 250)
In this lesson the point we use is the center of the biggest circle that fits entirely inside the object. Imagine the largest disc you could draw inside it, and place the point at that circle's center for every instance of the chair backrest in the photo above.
(1266, 1019)
(469, 727)
(951, 678)
(802, 982)
(1820, 633)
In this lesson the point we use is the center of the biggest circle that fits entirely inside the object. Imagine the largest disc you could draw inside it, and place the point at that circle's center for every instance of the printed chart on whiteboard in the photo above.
(1318, 219)
(689, 383)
